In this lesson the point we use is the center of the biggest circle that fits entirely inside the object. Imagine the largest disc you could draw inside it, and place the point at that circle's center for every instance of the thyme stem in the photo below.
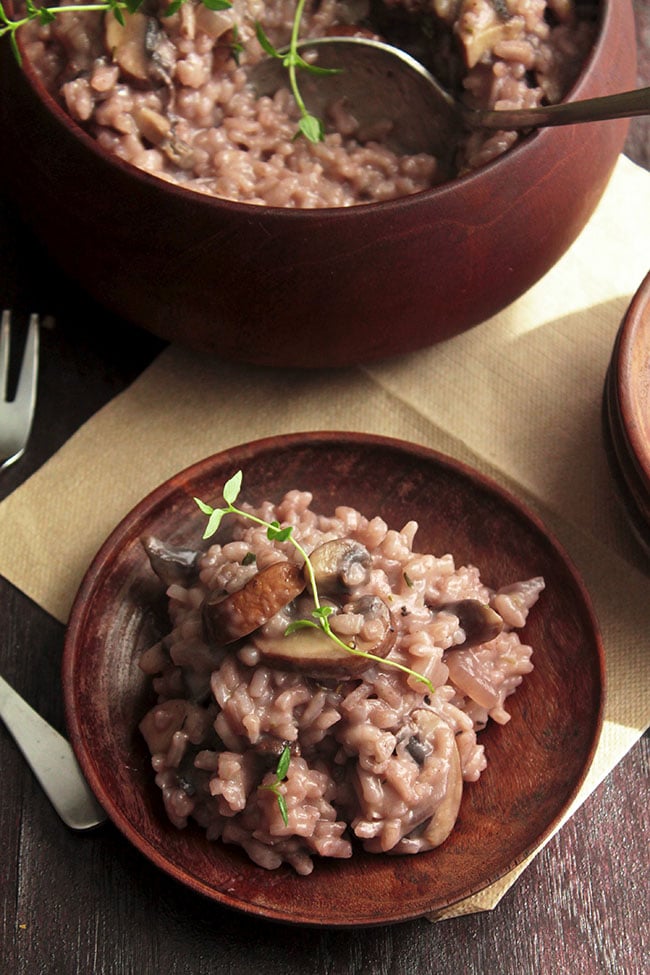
(276, 533)
(295, 34)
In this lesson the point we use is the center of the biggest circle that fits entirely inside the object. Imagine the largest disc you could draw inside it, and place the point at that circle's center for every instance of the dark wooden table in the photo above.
(89, 905)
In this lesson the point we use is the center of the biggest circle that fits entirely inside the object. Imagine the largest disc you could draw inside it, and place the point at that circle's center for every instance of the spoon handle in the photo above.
(52, 760)
(624, 104)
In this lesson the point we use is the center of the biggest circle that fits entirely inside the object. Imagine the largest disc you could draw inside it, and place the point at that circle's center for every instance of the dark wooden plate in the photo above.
(632, 382)
(536, 762)
(621, 468)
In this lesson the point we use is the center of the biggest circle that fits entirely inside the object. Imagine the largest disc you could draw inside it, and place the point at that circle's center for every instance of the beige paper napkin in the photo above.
(518, 397)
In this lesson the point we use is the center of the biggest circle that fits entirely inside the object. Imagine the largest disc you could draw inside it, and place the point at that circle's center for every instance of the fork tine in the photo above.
(17, 416)
(4, 354)
(26, 389)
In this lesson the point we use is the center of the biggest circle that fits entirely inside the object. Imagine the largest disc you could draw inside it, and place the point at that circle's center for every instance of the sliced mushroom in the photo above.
(443, 820)
(140, 47)
(214, 23)
(154, 127)
(340, 565)
(429, 821)
(311, 651)
(479, 28)
(158, 130)
(479, 621)
(171, 564)
(473, 678)
(229, 618)
(179, 152)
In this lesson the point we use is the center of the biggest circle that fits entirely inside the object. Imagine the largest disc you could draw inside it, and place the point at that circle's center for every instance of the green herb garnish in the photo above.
(309, 125)
(275, 532)
(280, 776)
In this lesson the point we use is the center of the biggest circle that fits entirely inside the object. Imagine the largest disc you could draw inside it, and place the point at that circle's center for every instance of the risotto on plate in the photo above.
(292, 742)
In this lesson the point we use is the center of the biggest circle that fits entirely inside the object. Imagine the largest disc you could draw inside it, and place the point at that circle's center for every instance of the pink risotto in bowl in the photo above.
(293, 739)
(168, 92)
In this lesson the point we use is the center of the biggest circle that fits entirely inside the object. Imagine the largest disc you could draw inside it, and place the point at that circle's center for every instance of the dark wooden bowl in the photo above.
(311, 288)
(536, 763)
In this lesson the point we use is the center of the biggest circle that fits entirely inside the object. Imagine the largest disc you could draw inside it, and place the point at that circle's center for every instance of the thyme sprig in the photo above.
(274, 786)
(276, 532)
(309, 125)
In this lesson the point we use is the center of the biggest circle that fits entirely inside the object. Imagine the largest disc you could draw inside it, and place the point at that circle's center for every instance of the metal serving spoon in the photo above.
(393, 96)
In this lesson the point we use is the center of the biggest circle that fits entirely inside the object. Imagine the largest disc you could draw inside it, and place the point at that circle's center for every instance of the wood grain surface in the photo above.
(90, 905)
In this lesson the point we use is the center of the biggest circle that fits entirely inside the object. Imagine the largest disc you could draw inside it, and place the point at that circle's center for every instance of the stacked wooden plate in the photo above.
(626, 413)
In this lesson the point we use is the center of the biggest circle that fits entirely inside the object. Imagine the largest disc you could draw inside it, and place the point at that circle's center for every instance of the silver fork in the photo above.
(16, 415)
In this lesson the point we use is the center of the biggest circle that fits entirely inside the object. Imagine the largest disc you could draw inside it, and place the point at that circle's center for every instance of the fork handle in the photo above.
(52, 760)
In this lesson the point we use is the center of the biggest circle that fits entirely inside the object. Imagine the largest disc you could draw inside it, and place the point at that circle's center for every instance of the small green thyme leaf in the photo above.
(280, 775)
(275, 533)
(283, 764)
(232, 488)
(300, 625)
(282, 803)
(312, 128)
(236, 45)
(249, 559)
(265, 42)
(213, 523)
(205, 508)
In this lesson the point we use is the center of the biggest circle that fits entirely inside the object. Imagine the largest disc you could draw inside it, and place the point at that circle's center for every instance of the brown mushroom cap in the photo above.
(479, 621)
(311, 651)
(139, 46)
(340, 565)
(229, 618)
(171, 564)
